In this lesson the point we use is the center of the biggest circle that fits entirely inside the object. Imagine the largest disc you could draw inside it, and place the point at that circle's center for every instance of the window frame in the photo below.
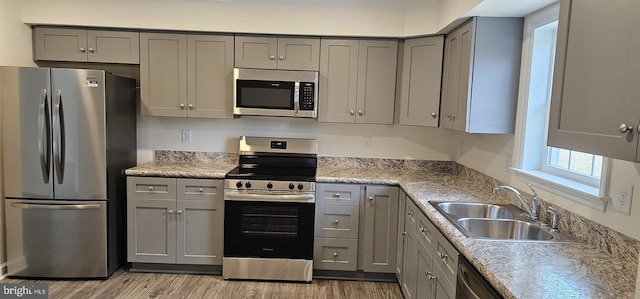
(531, 169)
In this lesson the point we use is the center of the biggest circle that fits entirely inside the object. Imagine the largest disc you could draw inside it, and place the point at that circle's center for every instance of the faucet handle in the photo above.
(535, 195)
(553, 217)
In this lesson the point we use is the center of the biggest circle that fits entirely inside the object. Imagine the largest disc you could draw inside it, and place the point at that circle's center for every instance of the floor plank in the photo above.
(130, 285)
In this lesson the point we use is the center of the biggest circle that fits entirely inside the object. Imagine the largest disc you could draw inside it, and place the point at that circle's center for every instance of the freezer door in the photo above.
(79, 134)
(26, 132)
(57, 239)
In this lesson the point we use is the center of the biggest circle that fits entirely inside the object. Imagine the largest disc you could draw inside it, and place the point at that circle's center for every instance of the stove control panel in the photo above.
(270, 185)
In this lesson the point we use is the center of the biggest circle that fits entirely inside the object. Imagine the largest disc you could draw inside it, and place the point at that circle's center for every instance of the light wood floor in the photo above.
(124, 284)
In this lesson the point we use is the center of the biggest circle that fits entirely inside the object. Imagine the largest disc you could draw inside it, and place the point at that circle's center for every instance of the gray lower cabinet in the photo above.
(421, 80)
(186, 75)
(594, 101)
(429, 265)
(480, 75)
(82, 45)
(380, 228)
(174, 221)
(357, 80)
(400, 233)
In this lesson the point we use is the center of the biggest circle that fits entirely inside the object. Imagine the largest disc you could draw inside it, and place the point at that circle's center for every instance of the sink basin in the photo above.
(475, 210)
(508, 229)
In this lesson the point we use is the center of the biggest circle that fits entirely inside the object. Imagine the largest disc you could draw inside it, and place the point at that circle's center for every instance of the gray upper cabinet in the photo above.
(594, 101)
(357, 81)
(277, 52)
(81, 45)
(421, 80)
(380, 228)
(186, 75)
(480, 75)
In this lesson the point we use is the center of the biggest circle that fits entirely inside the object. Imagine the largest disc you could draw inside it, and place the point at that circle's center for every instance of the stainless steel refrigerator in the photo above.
(67, 135)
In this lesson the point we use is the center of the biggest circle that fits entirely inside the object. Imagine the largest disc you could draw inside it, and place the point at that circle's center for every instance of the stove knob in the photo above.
(300, 186)
(239, 184)
(291, 186)
(247, 184)
(269, 185)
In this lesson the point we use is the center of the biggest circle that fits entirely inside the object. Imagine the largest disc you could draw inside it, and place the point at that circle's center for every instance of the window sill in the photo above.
(575, 191)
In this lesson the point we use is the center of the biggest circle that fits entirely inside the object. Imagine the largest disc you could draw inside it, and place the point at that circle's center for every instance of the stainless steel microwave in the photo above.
(275, 93)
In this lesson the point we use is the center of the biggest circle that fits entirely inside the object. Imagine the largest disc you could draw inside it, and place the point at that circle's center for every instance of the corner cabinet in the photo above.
(595, 96)
(186, 75)
(82, 45)
(480, 75)
(357, 81)
(421, 80)
(174, 221)
(277, 52)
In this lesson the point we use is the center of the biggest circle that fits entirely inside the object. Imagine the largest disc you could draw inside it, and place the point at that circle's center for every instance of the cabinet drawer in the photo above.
(444, 288)
(426, 231)
(338, 194)
(200, 189)
(335, 254)
(411, 216)
(337, 221)
(151, 188)
(446, 258)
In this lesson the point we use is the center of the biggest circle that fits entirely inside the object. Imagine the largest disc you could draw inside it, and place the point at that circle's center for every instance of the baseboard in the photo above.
(354, 275)
(170, 268)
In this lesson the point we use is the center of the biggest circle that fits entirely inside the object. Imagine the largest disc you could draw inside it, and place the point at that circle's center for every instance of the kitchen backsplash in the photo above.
(602, 237)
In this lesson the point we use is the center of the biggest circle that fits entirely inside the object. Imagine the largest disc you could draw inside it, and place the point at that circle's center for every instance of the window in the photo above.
(579, 176)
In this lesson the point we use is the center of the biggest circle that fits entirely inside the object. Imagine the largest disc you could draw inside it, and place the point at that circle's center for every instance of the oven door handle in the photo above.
(310, 198)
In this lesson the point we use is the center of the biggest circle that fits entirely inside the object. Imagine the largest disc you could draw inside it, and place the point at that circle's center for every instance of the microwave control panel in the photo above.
(307, 101)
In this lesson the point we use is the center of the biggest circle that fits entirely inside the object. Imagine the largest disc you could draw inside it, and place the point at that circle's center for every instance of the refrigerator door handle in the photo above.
(30, 206)
(44, 142)
(58, 140)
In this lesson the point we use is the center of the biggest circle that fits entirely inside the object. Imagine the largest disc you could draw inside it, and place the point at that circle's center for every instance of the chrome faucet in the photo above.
(533, 207)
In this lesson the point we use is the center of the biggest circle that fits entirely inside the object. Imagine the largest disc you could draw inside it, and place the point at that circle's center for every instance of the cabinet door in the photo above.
(421, 79)
(113, 46)
(410, 266)
(296, 53)
(457, 64)
(210, 66)
(163, 74)
(256, 52)
(151, 230)
(199, 232)
(425, 275)
(377, 62)
(338, 80)
(402, 200)
(595, 81)
(381, 222)
(61, 44)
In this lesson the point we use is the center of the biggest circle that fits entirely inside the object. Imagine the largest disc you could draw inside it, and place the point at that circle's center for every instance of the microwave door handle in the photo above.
(296, 99)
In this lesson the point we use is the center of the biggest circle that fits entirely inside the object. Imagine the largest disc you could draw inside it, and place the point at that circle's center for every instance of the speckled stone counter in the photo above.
(603, 267)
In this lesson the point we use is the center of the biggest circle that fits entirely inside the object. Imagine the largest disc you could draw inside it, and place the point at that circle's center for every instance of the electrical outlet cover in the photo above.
(622, 199)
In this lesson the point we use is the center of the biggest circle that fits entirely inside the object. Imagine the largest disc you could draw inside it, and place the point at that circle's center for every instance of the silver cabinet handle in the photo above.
(272, 57)
(83, 50)
(91, 50)
(421, 229)
(624, 128)
(404, 233)
(181, 106)
(335, 254)
(352, 113)
(442, 255)
(411, 213)
(179, 212)
(360, 112)
(370, 197)
(337, 195)
(190, 106)
(150, 188)
(336, 222)
(200, 190)
(170, 212)
(434, 115)
(281, 57)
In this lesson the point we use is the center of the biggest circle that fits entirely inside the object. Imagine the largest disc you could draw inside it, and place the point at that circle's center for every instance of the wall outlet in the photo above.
(186, 136)
(622, 199)
(366, 143)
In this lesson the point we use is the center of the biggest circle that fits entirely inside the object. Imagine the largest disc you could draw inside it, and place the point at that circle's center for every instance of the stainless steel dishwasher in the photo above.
(471, 284)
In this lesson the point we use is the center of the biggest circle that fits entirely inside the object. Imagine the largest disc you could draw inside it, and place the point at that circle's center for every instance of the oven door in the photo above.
(267, 229)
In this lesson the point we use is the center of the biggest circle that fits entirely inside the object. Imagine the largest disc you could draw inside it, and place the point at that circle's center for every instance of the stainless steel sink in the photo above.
(508, 229)
(497, 221)
(477, 210)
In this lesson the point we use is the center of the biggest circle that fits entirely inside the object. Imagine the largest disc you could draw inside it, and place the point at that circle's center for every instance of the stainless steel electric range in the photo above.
(269, 210)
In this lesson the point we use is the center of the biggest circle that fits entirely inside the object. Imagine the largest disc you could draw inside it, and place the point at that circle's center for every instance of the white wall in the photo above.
(15, 50)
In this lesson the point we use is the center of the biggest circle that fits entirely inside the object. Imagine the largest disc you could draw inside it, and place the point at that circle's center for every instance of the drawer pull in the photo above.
(404, 233)
(150, 188)
(429, 275)
(370, 197)
(335, 254)
(336, 222)
(170, 212)
(442, 255)
(179, 212)
(200, 190)
(422, 230)
(337, 195)
(411, 213)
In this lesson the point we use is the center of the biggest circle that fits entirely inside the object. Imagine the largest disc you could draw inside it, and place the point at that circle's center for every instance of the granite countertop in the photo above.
(515, 269)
